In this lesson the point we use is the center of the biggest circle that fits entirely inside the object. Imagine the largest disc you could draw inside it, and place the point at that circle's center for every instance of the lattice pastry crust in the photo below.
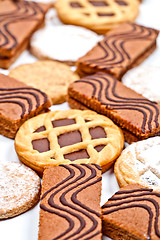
(95, 137)
(97, 15)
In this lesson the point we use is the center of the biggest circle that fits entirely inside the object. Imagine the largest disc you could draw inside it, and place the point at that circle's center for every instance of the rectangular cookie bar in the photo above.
(18, 102)
(121, 49)
(18, 20)
(70, 202)
(138, 117)
(132, 214)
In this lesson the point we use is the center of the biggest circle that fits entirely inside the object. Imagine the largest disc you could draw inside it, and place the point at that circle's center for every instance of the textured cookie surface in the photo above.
(132, 213)
(71, 136)
(71, 200)
(51, 77)
(136, 115)
(18, 102)
(139, 163)
(97, 15)
(19, 189)
(121, 49)
(64, 43)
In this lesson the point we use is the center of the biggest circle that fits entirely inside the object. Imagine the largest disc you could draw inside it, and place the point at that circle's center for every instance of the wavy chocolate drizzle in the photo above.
(25, 11)
(137, 197)
(14, 96)
(113, 46)
(112, 100)
(66, 207)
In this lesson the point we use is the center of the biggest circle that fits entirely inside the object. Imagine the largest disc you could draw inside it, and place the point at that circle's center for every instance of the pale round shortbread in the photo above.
(140, 163)
(19, 189)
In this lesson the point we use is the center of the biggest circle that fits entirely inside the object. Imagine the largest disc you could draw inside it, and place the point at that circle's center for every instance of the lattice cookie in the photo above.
(97, 15)
(65, 137)
(139, 163)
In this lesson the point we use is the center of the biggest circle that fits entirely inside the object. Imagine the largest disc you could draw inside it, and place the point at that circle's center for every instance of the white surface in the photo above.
(25, 226)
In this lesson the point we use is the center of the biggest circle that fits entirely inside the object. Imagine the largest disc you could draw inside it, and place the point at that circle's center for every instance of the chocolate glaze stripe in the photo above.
(65, 203)
(134, 191)
(30, 11)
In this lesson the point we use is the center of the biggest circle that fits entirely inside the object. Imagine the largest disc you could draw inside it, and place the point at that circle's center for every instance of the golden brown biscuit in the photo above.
(65, 137)
(49, 76)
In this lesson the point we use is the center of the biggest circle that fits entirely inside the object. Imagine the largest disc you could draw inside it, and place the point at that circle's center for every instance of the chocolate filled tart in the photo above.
(70, 202)
(121, 49)
(138, 117)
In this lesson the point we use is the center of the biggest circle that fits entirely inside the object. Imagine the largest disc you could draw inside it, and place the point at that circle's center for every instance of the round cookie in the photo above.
(51, 77)
(19, 189)
(97, 15)
(143, 80)
(64, 43)
(140, 163)
(70, 136)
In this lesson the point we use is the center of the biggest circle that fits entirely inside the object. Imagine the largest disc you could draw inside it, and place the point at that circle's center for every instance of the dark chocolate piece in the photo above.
(82, 154)
(41, 145)
(63, 122)
(69, 138)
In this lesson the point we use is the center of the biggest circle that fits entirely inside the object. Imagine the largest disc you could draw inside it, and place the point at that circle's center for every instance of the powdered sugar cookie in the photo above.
(144, 80)
(140, 163)
(63, 43)
(19, 189)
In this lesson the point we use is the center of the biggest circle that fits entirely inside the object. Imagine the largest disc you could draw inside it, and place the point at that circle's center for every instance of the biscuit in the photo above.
(19, 102)
(97, 15)
(121, 49)
(64, 43)
(71, 200)
(18, 20)
(70, 136)
(143, 80)
(132, 214)
(51, 2)
(19, 189)
(138, 117)
(139, 163)
(49, 76)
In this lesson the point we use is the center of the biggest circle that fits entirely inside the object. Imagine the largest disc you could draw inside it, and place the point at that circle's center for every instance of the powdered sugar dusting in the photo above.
(18, 186)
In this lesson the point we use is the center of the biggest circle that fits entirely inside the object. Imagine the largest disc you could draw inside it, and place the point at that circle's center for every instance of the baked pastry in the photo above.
(19, 102)
(97, 15)
(49, 76)
(51, 2)
(138, 117)
(139, 163)
(70, 136)
(64, 43)
(121, 49)
(70, 202)
(19, 189)
(132, 213)
(143, 80)
(18, 20)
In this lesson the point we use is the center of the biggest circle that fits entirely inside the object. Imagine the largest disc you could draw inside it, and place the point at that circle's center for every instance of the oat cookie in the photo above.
(70, 136)
(49, 76)
(97, 15)
(19, 189)
(140, 163)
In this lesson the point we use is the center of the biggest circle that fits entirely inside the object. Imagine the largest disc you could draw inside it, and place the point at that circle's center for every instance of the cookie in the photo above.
(132, 213)
(71, 200)
(26, 17)
(19, 102)
(97, 15)
(70, 136)
(139, 163)
(138, 117)
(19, 189)
(143, 80)
(49, 76)
(121, 49)
(64, 43)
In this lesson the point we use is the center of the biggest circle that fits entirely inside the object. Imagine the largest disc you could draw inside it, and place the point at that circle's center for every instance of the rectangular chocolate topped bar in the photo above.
(138, 117)
(18, 102)
(121, 49)
(70, 203)
(18, 20)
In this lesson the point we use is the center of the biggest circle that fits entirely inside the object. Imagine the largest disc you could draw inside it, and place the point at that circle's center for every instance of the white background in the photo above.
(25, 226)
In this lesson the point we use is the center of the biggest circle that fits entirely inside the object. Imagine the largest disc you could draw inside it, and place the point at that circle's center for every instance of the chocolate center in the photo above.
(75, 5)
(69, 138)
(99, 147)
(41, 145)
(122, 3)
(97, 132)
(63, 122)
(40, 129)
(98, 3)
(77, 155)
(105, 14)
